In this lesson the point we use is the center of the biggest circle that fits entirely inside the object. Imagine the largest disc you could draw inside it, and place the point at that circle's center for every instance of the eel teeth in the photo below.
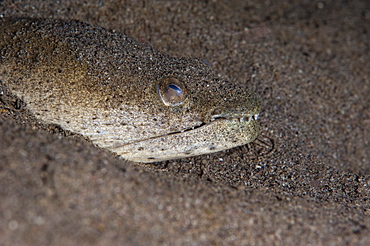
(241, 119)
(250, 118)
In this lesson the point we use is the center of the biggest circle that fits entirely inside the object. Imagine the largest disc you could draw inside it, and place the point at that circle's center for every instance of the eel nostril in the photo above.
(216, 111)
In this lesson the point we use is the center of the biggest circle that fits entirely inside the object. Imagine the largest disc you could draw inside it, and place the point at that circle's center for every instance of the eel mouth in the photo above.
(218, 118)
(242, 120)
(219, 133)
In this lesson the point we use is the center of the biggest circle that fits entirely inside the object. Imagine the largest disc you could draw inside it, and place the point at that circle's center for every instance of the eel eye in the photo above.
(172, 91)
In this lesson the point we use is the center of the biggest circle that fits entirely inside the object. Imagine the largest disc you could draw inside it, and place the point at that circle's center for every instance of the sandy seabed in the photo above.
(304, 181)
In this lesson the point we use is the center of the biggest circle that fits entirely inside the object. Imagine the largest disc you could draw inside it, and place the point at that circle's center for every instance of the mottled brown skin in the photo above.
(104, 85)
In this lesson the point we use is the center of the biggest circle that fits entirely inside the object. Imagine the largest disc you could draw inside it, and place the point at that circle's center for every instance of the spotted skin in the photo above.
(122, 94)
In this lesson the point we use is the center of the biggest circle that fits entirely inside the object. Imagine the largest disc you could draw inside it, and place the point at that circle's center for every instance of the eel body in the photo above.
(122, 94)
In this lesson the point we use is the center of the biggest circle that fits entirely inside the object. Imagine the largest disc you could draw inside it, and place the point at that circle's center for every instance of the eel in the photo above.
(122, 94)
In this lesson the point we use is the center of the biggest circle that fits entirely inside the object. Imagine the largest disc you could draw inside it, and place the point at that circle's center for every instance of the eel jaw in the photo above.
(185, 143)
(240, 119)
(203, 124)
(216, 118)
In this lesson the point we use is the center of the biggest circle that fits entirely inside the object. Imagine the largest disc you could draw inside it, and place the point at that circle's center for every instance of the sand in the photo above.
(305, 180)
